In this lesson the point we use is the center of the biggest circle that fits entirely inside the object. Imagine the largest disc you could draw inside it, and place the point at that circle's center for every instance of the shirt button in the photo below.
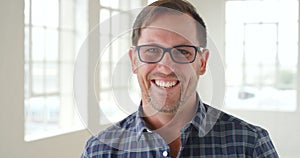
(149, 131)
(165, 153)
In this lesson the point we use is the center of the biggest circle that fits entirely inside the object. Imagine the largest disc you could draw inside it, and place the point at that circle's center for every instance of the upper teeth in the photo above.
(165, 84)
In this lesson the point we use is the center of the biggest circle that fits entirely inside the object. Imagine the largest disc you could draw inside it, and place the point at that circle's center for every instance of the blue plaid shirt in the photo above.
(211, 133)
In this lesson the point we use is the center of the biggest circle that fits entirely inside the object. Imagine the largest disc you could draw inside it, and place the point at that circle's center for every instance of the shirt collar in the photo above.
(140, 124)
(199, 120)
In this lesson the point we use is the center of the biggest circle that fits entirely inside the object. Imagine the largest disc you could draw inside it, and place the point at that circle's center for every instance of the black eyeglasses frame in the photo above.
(169, 50)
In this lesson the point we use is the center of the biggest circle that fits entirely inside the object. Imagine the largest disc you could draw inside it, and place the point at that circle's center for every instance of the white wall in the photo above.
(283, 126)
(12, 144)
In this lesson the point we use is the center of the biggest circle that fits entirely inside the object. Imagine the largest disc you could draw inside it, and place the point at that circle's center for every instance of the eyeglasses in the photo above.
(182, 54)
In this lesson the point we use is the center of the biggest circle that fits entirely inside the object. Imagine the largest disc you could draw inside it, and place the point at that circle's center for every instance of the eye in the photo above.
(183, 52)
(152, 50)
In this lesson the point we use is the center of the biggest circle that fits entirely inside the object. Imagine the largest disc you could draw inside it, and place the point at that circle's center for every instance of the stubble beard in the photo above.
(162, 106)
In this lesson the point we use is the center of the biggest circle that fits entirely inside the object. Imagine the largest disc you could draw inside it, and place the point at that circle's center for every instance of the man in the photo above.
(168, 56)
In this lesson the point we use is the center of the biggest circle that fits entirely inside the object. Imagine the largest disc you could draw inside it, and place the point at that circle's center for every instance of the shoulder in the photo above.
(232, 122)
(228, 122)
(118, 129)
(112, 138)
(234, 130)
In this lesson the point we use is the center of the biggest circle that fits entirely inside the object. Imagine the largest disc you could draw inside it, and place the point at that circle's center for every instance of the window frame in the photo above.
(69, 36)
(297, 66)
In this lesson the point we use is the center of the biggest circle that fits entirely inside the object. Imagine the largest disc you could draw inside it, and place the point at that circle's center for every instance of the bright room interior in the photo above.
(61, 61)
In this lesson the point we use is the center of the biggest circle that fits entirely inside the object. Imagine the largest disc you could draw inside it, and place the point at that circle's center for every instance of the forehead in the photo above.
(174, 27)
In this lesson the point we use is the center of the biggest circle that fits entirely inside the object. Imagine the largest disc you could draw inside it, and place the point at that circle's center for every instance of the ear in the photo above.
(133, 59)
(203, 59)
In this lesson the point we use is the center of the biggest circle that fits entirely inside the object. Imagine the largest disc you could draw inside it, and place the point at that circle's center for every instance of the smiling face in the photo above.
(166, 86)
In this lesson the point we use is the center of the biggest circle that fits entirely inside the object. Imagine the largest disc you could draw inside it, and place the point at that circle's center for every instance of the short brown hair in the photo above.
(168, 6)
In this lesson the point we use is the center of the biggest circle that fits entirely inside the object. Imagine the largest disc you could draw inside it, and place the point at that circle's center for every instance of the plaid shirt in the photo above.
(211, 133)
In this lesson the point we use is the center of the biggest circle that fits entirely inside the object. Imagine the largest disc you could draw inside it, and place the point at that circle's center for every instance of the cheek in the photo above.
(142, 74)
(190, 75)
(198, 71)
(197, 67)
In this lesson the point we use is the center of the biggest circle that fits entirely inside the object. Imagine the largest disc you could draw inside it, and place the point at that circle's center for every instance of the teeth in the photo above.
(165, 84)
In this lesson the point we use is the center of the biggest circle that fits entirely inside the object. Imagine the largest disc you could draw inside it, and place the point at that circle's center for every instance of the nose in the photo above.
(167, 58)
(165, 66)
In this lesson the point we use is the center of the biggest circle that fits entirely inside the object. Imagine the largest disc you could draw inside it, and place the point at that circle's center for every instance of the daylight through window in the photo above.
(261, 55)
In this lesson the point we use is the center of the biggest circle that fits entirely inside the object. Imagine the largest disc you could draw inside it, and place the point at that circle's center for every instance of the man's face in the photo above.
(166, 86)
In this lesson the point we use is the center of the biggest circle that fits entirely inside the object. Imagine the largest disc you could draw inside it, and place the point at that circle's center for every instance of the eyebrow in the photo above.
(157, 44)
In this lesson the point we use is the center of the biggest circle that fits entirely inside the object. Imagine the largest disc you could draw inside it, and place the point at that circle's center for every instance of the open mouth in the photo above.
(165, 84)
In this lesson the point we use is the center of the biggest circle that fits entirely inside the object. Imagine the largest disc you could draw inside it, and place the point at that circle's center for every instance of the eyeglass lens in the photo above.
(179, 54)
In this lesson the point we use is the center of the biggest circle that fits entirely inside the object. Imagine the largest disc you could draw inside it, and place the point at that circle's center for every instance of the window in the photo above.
(261, 55)
(53, 34)
(118, 95)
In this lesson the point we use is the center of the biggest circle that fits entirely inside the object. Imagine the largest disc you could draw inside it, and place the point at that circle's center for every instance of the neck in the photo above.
(168, 125)
(175, 147)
